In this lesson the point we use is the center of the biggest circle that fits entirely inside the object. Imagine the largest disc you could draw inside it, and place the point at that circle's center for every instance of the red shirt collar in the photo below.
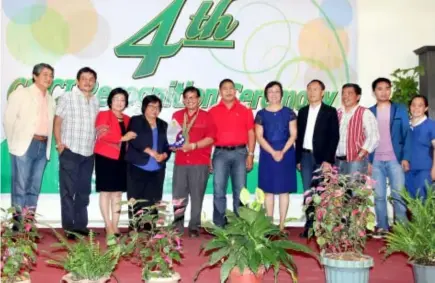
(187, 112)
(236, 102)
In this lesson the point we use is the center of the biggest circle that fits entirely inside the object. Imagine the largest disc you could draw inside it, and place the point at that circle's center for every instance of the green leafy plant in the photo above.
(405, 84)
(154, 244)
(85, 259)
(250, 241)
(342, 205)
(415, 238)
(18, 244)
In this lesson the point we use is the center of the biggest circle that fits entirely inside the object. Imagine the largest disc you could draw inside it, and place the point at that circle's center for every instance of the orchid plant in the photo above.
(343, 212)
(18, 244)
(155, 249)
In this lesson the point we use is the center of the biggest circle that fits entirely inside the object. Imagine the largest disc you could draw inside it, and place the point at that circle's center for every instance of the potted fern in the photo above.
(85, 261)
(158, 248)
(342, 215)
(18, 245)
(250, 244)
(416, 238)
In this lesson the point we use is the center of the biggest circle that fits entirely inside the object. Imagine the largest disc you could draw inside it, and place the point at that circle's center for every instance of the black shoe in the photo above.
(304, 234)
(86, 232)
(70, 236)
(193, 233)
(379, 233)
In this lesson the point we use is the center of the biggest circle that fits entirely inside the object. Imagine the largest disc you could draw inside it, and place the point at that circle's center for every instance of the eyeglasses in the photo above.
(154, 107)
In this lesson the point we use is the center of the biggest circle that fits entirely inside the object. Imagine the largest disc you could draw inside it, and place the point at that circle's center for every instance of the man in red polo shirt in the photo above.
(192, 161)
(234, 149)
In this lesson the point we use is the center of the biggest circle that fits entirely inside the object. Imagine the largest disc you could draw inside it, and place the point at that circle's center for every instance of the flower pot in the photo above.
(174, 279)
(345, 270)
(423, 273)
(68, 279)
(247, 276)
(23, 281)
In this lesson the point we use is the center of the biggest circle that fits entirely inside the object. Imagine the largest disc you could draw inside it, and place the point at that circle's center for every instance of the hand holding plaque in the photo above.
(175, 135)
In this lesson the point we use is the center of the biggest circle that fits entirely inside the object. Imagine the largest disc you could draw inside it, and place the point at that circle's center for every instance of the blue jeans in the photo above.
(350, 168)
(227, 163)
(308, 166)
(392, 170)
(27, 172)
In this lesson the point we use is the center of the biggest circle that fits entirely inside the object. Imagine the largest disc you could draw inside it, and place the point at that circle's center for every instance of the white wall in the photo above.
(388, 33)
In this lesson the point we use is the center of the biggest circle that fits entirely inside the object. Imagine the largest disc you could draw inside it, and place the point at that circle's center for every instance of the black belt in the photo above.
(307, 150)
(342, 158)
(230, 147)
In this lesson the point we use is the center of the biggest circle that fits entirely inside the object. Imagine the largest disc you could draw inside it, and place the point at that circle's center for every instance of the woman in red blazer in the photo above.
(110, 167)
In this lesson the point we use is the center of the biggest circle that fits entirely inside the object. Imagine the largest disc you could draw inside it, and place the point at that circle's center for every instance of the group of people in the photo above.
(130, 154)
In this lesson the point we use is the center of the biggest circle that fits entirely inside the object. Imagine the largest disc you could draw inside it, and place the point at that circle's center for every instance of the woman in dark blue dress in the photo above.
(275, 128)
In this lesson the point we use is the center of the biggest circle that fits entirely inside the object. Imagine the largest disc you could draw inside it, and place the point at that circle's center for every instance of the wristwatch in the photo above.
(250, 153)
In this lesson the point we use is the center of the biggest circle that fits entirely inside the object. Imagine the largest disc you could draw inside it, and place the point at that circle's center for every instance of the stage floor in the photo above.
(392, 270)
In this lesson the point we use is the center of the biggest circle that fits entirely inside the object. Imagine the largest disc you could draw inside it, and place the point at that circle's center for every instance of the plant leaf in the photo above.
(244, 196)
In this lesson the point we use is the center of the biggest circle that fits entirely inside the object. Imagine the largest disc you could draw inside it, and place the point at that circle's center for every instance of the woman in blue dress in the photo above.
(422, 166)
(275, 128)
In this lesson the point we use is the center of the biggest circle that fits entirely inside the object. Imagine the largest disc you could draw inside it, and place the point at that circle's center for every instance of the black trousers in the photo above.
(75, 177)
(144, 185)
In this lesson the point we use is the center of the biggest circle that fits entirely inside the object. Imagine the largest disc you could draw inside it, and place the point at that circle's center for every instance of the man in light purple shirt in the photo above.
(390, 159)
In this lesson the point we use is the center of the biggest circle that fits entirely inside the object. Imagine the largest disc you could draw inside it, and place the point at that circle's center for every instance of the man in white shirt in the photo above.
(318, 138)
(359, 133)
(74, 130)
(28, 124)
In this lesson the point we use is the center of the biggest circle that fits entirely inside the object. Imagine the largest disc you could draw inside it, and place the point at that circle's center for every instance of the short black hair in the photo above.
(151, 99)
(272, 84)
(37, 69)
(114, 92)
(378, 81)
(355, 87)
(426, 102)
(226, 81)
(191, 89)
(322, 85)
(86, 70)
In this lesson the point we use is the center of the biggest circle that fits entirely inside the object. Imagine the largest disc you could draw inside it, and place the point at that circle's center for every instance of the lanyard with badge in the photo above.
(187, 127)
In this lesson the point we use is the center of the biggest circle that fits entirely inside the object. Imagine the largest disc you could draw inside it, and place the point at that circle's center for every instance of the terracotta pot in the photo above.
(174, 279)
(247, 276)
(68, 278)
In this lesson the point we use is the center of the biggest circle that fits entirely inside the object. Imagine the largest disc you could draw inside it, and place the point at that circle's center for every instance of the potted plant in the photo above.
(342, 208)
(156, 248)
(85, 261)
(416, 238)
(405, 84)
(250, 244)
(18, 245)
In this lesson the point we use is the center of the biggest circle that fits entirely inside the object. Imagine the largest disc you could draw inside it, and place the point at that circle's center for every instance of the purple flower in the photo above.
(178, 202)
(179, 211)
(308, 200)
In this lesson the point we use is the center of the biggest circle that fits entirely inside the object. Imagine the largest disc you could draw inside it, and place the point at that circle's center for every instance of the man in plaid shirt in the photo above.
(74, 130)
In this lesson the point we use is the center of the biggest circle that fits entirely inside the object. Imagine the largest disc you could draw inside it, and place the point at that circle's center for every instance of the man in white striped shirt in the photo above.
(359, 133)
